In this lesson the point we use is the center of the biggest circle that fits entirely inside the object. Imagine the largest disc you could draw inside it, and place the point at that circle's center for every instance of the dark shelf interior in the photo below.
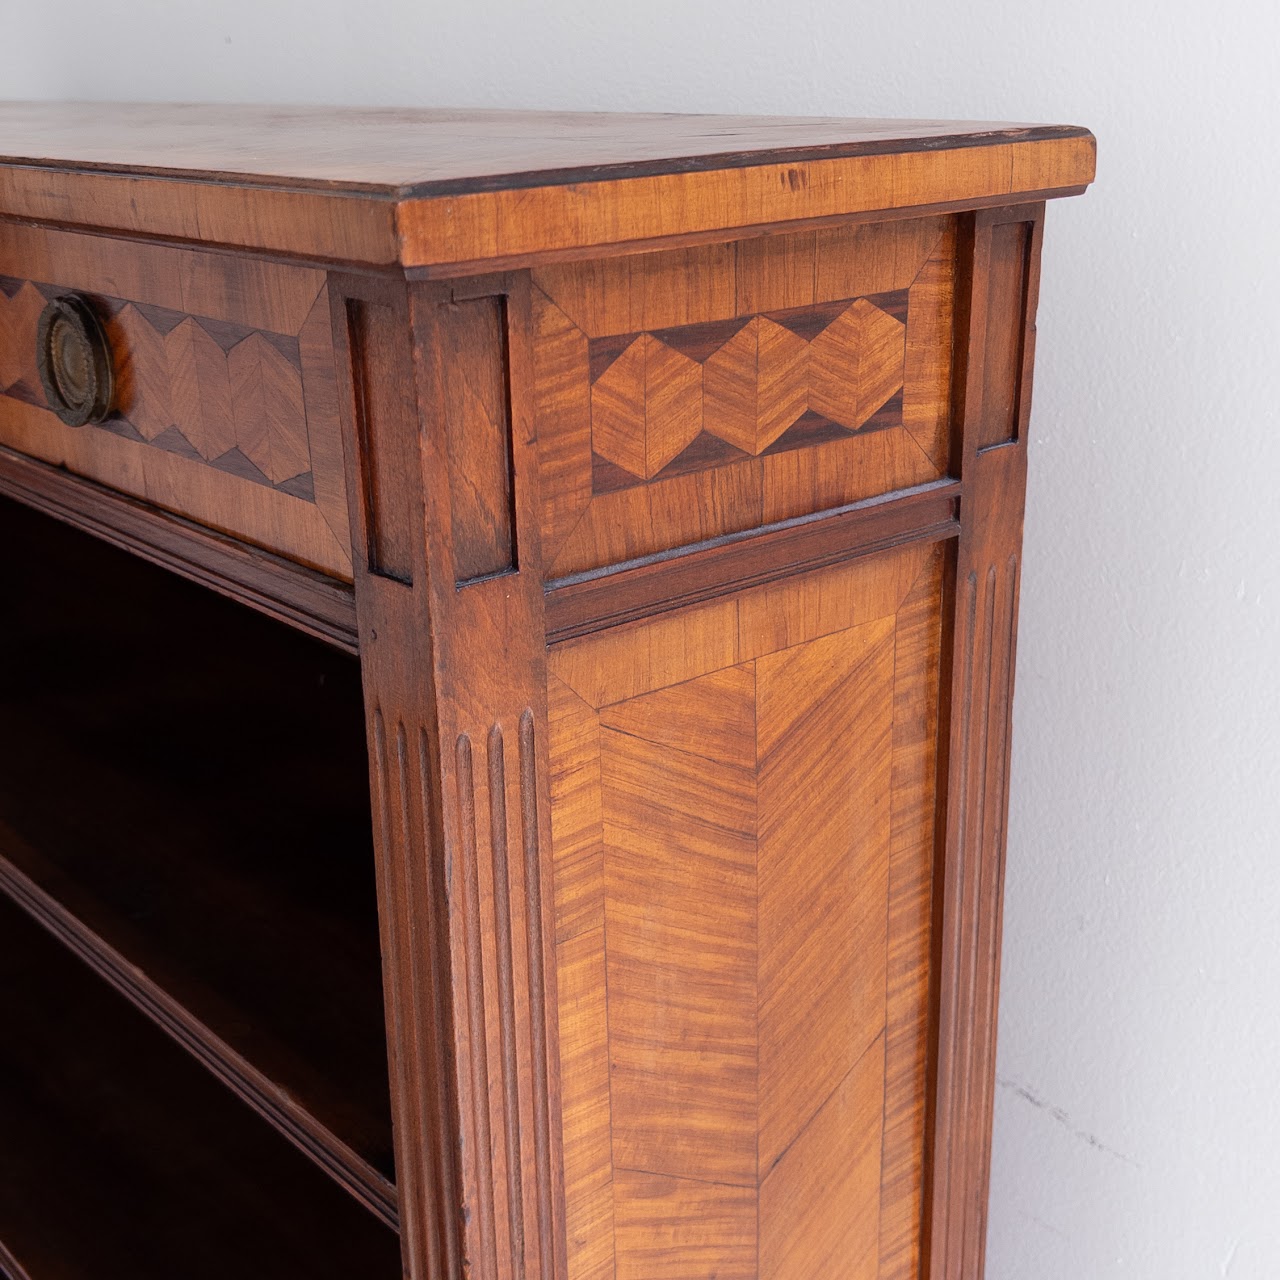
(184, 799)
(120, 1157)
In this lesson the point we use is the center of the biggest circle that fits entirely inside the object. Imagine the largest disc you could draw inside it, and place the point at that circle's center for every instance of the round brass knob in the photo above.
(74, 359)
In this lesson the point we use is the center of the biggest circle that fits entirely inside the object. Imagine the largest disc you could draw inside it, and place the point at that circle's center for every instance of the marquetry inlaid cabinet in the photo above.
(505, 675)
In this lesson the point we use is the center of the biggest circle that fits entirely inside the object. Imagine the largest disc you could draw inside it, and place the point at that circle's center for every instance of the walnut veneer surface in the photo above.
(664, 476)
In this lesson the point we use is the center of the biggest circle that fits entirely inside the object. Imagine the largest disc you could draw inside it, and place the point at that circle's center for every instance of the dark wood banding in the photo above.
(611, 597)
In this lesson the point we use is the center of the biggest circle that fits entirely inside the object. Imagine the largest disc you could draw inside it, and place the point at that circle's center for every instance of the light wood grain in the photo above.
(562, 408)
(586, 1105)
(510, 227)
(223, 502)
(260, 294)
(680, 916)
(917, 647)
(666, 650)
(823, 733)
(818, 1206)
(576, 818)
(674, 1229)
(324, 426)
(713, 717)
(756, 385)
(926, 381)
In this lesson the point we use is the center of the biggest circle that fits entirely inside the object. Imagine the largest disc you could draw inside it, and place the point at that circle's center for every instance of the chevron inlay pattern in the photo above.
(219, 393)
(686, 399)
(743, 846)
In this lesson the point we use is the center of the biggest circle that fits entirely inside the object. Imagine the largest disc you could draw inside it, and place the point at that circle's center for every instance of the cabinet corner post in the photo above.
(994, 348)
(442, 477)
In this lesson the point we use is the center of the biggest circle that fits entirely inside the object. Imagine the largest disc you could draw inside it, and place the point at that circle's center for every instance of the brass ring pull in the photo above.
(74, 359)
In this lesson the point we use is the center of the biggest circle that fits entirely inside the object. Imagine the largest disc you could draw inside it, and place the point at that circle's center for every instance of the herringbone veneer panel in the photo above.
(743, 845)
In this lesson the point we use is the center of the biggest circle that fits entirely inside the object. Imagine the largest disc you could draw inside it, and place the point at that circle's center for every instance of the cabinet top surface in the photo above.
(426, 152)
(463, 190)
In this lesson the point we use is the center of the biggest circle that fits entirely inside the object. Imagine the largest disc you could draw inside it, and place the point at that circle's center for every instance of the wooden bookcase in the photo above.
(507, 658)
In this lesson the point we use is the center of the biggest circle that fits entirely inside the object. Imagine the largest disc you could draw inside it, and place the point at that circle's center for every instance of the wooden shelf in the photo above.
(184, 803)
(121, 1158)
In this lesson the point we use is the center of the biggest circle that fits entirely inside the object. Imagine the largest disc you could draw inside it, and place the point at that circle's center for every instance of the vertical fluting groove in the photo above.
(408, 1201)
(949, 1134)
(506, 996)
(537, 991)
(435, 1122)
(978, 779)
(1009, 631)
(484, 1265)
(440, 1137)
(755, 827)
(430, 1191)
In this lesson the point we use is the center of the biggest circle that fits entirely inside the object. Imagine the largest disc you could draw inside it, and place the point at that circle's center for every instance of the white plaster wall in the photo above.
(1137, 1122)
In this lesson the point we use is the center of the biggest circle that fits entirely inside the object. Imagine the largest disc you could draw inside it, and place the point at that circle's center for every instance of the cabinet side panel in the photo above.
(743, 839)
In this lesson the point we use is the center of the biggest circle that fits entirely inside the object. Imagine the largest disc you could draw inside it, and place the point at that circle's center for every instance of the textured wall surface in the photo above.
(1137, 1120)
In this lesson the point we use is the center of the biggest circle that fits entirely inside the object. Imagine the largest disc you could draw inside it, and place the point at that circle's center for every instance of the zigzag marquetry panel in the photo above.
(691, 393)
(700, 396)
(743, 843)
(208, 376)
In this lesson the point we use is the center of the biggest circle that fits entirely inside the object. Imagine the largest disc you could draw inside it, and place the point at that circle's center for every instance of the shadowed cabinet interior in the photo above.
(505, 688)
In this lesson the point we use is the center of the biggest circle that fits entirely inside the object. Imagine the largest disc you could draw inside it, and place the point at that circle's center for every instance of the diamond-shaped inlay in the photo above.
(200, 389)
(144, 374)
(271, 420)
(646, 407)
(684, 400)
(756, 385)
(856, 364)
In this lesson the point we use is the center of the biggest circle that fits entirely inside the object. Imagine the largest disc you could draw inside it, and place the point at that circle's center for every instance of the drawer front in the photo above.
(688, 394)
(225, 402)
